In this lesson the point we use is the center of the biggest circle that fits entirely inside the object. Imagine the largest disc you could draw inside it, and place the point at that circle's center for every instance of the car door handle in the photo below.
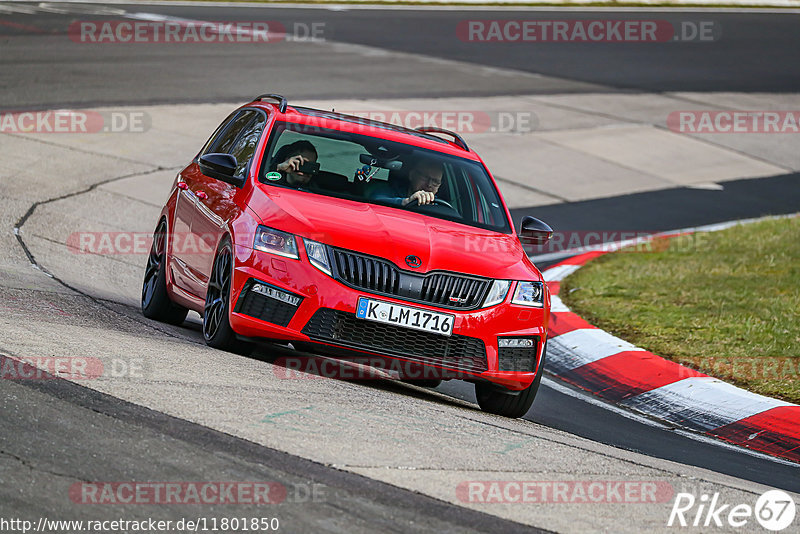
(182, 186)
(201, 195)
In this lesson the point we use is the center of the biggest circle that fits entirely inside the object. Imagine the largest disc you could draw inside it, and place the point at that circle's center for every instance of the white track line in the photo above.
(586, 345)
(558, 273)
(559, 386)
(706, 401)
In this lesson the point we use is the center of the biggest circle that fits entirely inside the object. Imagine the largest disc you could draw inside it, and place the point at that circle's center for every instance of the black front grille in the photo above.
(263, 307)
(365, 272)
(520, 359)
(451, 290)
(341, 328)
(378, 275)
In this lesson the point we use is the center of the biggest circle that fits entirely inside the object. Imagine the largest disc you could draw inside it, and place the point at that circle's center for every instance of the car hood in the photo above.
(394, 234)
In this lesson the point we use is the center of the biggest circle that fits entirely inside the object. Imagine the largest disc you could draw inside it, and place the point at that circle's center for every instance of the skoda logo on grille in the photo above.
(413, 261)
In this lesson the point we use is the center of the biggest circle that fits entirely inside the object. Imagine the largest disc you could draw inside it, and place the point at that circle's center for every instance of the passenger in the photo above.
(424, 181)
(291, 158)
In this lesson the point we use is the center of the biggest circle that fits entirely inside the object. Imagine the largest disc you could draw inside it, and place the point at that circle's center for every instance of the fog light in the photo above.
(275, 293)
(515, 342)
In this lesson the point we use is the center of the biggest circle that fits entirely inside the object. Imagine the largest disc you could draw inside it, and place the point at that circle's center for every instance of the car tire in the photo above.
(156, 303)
(217, 330)
(491, 399)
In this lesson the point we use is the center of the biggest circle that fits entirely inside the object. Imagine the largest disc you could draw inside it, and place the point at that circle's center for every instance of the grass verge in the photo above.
(726, 303)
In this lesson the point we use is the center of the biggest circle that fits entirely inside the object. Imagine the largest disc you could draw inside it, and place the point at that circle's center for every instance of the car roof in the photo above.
(351, 123)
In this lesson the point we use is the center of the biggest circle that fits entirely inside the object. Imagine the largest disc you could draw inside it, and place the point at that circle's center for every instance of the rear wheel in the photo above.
(156, 303)
(217, 329)
(493, 400)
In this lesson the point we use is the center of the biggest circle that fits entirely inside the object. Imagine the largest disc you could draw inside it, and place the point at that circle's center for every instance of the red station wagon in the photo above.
(354, 238)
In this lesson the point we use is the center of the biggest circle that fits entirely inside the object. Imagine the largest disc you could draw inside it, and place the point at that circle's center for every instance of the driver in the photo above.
(424, 181)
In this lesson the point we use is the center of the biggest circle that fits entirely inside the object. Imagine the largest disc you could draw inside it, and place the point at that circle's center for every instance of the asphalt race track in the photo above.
(366, 456)
(754, 52)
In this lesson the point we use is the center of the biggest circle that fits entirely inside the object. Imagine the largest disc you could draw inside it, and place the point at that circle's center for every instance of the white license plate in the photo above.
(405, 316)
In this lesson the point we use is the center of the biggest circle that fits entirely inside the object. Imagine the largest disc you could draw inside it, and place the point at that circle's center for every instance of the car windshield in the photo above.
(373, 170)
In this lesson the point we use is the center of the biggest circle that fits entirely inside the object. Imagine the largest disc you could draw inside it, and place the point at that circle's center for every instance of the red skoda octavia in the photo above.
(354, 238)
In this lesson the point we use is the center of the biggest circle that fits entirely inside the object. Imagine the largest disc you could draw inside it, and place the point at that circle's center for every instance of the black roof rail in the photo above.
(282, 102)
(457, 138)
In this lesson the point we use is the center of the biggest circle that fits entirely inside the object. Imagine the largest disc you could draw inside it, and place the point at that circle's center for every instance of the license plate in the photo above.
(405, 316)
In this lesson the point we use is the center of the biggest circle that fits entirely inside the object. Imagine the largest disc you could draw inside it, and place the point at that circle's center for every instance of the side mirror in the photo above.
(534, 232)
(222, 167)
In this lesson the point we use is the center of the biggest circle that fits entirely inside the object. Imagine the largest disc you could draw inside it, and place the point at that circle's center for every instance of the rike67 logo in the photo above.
(774, 510)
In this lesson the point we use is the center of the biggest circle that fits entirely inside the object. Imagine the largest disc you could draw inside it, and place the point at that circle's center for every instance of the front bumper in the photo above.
(302, 304)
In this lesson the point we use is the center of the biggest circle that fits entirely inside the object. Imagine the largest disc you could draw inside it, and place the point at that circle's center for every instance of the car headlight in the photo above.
(318, 255)
(529, 294)
(497, 293)
(275, 242)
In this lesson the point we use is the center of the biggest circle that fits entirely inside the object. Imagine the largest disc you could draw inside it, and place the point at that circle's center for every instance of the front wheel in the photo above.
(493, 400)
(217, 329)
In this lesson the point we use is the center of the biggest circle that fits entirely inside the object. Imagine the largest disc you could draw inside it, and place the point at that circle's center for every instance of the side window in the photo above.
(245, 146)
(224, 140)
(220, 130)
